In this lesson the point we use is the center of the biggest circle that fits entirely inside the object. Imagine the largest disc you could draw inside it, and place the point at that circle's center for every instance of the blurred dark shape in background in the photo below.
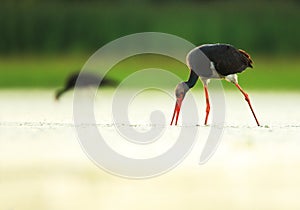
(50, 27)
(86, 80)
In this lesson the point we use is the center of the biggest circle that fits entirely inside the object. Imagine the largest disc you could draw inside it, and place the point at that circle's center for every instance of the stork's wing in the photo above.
(227, 60)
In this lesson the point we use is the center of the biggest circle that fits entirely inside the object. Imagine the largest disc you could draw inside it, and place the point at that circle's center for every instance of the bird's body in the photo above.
(226, 59)
(86, 79)
(213, 61)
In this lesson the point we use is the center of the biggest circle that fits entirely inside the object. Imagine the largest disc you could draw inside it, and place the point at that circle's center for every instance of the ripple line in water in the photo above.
(61, 124)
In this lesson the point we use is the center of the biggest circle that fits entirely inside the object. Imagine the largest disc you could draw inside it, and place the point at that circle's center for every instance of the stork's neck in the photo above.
(192, 79)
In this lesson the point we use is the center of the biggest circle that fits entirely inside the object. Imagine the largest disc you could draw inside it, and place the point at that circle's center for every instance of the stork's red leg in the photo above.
(207, 104)
(248, 100)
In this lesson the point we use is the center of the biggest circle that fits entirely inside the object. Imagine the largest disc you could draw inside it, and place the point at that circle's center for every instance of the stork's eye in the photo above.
(178, 94)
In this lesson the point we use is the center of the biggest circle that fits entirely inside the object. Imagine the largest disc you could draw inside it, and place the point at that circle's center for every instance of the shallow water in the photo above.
(42, 165)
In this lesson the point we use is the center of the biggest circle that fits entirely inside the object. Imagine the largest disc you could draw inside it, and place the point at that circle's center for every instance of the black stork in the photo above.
(225, 62)
(86, 79)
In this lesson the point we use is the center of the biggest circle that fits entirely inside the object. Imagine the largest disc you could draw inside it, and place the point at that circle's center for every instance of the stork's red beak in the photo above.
(177, 109)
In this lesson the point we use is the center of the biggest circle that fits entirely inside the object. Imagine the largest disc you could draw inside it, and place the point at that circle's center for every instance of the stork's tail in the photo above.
(250, 61)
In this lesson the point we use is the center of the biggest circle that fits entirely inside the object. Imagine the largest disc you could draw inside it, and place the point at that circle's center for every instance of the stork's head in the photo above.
(180, 91)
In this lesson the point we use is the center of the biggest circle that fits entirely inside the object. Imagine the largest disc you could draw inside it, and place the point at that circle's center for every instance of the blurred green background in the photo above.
(41, 41)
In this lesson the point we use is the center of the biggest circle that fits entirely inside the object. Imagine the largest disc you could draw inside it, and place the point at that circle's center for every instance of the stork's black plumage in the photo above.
(86, 79)
(227, 59)
(220, 61)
